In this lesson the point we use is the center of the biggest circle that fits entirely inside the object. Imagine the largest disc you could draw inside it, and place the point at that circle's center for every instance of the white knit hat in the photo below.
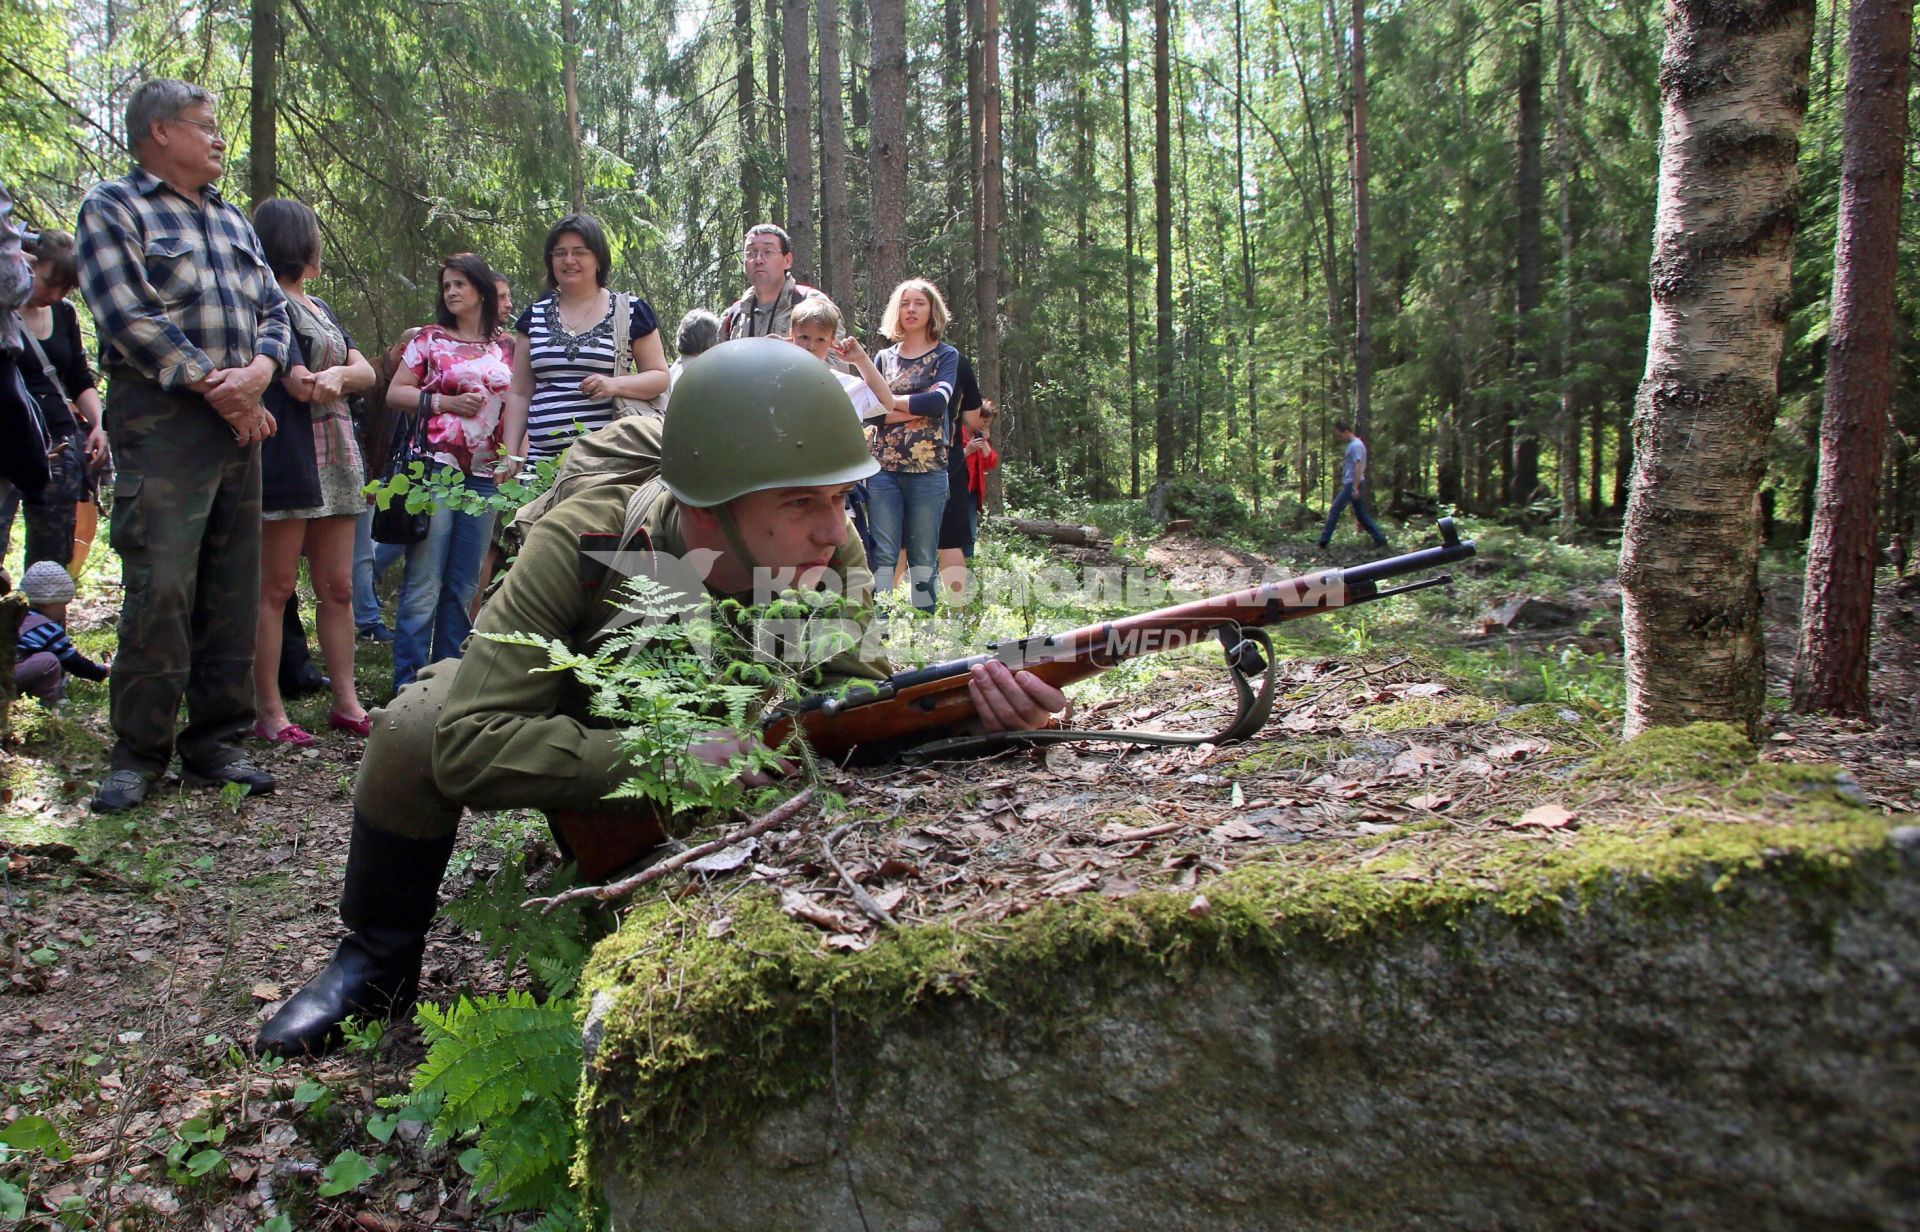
(47, 582)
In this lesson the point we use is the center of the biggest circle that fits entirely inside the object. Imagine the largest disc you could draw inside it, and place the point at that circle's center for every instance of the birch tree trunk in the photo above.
(1733, 82)
(836, 265)
(798, 101)
(1836, 620)
(887, 155)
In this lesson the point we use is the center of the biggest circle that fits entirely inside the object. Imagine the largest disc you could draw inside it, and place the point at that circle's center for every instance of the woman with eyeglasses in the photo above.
(568, 366)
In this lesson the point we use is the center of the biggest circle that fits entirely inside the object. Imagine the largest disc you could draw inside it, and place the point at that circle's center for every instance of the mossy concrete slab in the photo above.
(1720, 1028)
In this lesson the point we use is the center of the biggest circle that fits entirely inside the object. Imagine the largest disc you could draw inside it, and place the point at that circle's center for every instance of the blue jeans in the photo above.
(442, 571)
(903, 510)
(1349, 497)
(370, 563)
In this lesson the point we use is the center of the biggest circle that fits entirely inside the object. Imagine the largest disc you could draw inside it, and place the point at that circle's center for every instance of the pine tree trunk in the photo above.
(1570, 418)
(956, 279)
(1836, 619)
(1733, 83)
(751, 210)
(992, 210)
(775, 112)
(836, 246)
(1166, 424)
(1528, 244)
(799, 109)
(1248, 305)
(1362, 237)
(887, 153)
(1131, 267)
(263, 170)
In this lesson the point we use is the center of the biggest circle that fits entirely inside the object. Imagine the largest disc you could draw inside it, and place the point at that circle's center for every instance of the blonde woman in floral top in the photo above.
(907, 498)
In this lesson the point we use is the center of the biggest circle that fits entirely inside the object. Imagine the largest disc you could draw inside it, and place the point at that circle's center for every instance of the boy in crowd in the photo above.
(46, 655)
(816, 330)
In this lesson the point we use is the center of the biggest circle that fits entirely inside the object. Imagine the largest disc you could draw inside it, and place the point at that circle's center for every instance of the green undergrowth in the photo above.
(705, 1025)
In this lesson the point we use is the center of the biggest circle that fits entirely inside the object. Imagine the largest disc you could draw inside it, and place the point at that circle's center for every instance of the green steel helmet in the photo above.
(759, 413)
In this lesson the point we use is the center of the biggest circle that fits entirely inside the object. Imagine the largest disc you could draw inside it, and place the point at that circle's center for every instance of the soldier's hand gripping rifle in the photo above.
(928, 711)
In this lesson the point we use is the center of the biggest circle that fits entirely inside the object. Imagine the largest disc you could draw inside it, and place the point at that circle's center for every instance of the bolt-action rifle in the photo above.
(928, 711)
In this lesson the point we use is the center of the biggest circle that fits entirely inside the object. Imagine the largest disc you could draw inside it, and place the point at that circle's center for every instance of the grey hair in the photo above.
(699, 331)
(162, 98)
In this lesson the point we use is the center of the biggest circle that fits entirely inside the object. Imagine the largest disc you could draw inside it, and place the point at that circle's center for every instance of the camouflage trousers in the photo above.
(186, 523)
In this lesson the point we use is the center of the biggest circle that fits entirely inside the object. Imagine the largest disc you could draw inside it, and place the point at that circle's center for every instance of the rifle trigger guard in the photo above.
(1249, 653)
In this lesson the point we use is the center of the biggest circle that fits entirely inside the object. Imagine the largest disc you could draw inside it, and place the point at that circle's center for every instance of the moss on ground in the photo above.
(706, 1023)
(1417, 712)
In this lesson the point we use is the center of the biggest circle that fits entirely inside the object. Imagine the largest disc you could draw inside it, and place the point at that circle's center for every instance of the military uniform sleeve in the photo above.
(504, 739)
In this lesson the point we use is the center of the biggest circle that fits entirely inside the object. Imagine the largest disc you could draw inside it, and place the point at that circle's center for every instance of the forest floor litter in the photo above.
(141, 957)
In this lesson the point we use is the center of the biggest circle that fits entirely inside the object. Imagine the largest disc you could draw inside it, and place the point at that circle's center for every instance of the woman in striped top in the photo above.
(567, 365)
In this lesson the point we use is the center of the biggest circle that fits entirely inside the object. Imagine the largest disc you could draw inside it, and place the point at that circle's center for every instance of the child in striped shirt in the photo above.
(45, 655)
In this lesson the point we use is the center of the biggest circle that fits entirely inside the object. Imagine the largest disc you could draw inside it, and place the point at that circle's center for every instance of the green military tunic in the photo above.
(510, 734)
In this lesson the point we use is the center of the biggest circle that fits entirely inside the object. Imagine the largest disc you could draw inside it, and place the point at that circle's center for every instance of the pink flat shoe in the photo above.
(292, 734)
(362, 726)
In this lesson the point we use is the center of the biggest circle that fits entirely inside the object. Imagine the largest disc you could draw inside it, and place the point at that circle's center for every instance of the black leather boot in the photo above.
(393, 886)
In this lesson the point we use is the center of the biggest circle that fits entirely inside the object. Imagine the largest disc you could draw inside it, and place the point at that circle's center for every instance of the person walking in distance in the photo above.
(192, 328)
(1353, 474)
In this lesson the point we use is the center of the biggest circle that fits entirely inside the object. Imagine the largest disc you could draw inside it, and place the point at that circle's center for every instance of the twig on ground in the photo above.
(1343, 681)
(1145, 832)
(620, 889)
(865, 901)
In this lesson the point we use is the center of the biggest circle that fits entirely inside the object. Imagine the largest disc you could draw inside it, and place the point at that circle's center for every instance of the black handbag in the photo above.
(394, 525)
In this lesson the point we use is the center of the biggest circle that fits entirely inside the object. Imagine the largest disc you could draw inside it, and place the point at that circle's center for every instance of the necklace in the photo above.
(569, 341)
(593, 317)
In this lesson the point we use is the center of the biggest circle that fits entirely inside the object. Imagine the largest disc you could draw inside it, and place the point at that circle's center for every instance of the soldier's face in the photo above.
(794, 528)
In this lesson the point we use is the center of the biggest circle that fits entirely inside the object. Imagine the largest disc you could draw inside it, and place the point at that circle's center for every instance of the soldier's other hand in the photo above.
(1012, 701)
(721, 747)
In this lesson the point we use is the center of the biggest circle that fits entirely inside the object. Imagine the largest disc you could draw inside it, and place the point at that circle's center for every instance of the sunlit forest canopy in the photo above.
(1512, 151)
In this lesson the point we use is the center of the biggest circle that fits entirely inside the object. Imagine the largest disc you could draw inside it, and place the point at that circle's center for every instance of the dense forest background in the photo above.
(1179, 239)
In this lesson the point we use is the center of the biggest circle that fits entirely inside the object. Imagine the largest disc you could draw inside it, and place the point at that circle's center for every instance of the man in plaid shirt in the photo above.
(192, 329)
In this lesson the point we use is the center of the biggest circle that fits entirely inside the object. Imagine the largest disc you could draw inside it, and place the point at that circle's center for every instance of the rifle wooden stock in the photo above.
(873, 723)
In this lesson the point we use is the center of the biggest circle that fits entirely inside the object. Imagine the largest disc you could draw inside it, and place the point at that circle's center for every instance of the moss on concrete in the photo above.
(701, 1032)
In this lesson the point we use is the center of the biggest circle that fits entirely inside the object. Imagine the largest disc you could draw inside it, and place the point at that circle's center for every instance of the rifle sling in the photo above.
(1251, 714)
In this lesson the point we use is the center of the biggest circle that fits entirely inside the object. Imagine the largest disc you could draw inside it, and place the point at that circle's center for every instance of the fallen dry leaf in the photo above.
(807, 911)
(848, 943)
(1234, 831)
(1415, 761)
(1432, 802)
(266, 992)
(1546, 816)
(1200, 908)
(1519, 750)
